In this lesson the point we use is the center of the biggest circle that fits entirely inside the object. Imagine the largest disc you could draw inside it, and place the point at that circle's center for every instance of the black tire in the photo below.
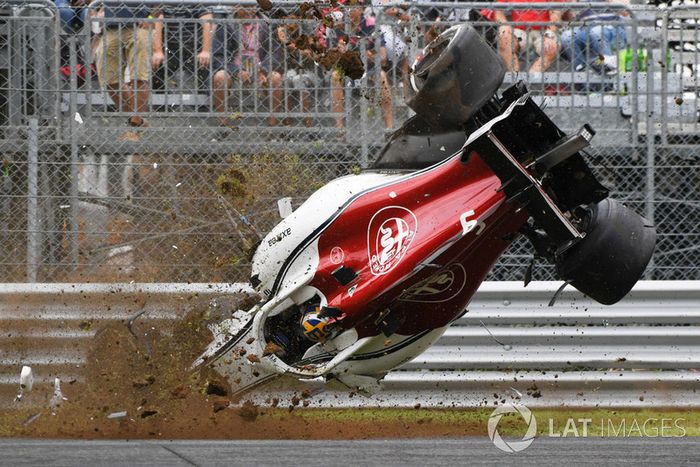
(459, 73)
(612, 256)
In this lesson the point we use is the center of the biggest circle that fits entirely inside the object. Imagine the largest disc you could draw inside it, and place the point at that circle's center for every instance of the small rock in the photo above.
(250, 340)
(180, 392)
(679, 100)
(220, 404)
(295, 400)
(252, 358)
(272, 348)
(143, 382)
(114, 415)
(248, 411)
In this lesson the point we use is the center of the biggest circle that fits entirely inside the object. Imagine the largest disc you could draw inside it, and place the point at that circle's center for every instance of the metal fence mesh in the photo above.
(91, 193)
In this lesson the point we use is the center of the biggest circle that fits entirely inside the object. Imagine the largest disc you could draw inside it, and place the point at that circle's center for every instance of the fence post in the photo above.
(634, 91)
(364, 150)
(73, 202)
(6, 198)
(15, 105)
(42, 63)
(651, 150)
(33, 221)
(663, 92)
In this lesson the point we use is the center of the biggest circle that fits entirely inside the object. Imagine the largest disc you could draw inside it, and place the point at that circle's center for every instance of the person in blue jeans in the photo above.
(597, 42)
(73, 13)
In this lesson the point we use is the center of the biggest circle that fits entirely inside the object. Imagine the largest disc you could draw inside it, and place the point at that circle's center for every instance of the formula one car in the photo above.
(372, 268)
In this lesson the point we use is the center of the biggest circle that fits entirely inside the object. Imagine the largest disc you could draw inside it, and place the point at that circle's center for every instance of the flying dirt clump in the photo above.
(348, 62)
(153, 390)
(170, 401)
(265, 5)
(248, 411)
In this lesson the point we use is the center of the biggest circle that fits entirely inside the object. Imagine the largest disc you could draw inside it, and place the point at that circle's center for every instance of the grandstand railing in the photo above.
(85, 197)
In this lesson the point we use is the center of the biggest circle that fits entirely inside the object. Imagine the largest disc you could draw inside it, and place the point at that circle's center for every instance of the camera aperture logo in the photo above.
(512, 446)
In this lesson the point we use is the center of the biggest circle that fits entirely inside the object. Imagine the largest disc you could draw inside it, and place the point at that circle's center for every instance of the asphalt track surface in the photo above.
(467, 451)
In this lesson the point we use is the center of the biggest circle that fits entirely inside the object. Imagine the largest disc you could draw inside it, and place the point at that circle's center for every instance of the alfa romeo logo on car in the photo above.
(389, 235)
(440, 287)
(337, 255)
(512, 446)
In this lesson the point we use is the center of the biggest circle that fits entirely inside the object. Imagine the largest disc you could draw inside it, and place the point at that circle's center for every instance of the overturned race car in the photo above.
(372, 268)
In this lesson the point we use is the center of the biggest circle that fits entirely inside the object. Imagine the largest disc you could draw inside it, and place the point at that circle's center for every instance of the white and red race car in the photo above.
(372, 268)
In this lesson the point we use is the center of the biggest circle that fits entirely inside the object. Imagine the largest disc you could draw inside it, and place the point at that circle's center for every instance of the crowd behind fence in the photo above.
(165, 161)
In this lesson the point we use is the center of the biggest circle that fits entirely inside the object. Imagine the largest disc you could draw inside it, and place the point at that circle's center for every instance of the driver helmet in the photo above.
(315, 327)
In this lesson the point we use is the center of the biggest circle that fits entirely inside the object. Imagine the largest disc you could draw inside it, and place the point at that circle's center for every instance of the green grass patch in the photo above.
(550, 422)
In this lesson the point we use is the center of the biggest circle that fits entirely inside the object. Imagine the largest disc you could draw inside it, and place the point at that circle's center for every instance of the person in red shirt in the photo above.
(517, 36)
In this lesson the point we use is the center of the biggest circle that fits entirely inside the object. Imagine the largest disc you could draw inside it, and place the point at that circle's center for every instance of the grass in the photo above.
(561, 422)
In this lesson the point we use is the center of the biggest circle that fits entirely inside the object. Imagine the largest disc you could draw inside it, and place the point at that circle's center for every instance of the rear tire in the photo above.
(459, 73)
(612, 256)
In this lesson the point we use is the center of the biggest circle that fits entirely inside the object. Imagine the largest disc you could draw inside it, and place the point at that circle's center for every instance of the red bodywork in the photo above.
(406, 242)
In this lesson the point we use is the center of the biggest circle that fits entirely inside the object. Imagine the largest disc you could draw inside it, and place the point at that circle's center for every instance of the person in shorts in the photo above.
(123, 61)
(516, 38)
(241, 52)
(393, 33)
(301, 72)
(183, 45)
(361, 27)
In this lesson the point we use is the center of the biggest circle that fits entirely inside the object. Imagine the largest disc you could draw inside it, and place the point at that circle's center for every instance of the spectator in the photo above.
(176, 43)
(241, 50)
(431, 23)
(441, 18)
(598, 41)
(445, 17)
(393, 33)
(512, 40)
(360, 28)
(123, 60)
(73, 13)
(301, 72)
